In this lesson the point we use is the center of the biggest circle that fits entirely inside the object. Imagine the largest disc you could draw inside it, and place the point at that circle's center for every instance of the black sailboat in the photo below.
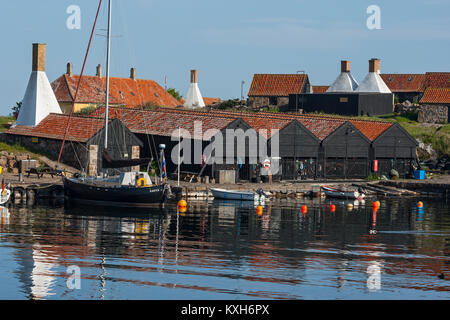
(128, 188)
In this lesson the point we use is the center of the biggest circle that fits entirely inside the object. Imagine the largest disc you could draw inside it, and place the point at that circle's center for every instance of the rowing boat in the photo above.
(342, 194)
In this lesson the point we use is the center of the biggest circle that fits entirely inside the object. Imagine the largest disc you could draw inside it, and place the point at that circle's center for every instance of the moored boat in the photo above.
(128, 189)
(225, 194)
(342, 194)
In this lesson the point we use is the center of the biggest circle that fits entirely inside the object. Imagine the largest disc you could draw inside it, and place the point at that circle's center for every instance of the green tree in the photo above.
(174, 93)
(16, 108)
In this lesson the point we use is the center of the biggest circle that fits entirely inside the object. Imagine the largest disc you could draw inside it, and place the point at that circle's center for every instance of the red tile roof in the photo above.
(277, 84)
(166, 121)
(436, 95)
(54, 126)
(207, 101)
(437, 80)
(319, 89)
(319, 125)
(123, 91)
(404, 82)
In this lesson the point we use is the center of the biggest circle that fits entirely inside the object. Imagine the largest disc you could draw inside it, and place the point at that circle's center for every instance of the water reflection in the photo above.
(226, 249)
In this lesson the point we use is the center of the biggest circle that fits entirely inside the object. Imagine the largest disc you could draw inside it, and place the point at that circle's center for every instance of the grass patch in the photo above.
(5, 122)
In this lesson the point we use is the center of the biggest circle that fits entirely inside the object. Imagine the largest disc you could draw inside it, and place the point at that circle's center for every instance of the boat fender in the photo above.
(141, 182)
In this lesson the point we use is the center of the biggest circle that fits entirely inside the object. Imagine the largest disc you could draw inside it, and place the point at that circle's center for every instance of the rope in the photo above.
(79, 81)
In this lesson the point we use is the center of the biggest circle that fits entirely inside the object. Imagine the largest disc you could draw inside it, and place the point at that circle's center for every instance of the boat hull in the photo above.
(129, 196)
(335, 193)
(235, 195)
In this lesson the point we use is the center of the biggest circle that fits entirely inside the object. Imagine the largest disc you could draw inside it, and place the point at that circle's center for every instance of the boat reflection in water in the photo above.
(227, 250)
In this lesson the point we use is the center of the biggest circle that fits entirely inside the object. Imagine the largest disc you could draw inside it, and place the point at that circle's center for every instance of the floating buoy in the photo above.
(332, 208)
(349, 207)
(420, 204)
(376, 204)
(182, 209)
(182, 204)
(259, 210)
(304, 209)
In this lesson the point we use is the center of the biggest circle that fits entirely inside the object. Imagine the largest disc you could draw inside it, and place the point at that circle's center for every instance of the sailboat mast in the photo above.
(108, 51)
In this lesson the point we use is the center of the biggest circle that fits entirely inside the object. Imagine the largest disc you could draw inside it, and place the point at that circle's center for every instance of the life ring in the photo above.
(266, 164)
(141, 182)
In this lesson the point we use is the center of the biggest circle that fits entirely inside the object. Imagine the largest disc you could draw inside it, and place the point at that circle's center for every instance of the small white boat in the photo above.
(5, 194)
(225, 194)
(342, 194)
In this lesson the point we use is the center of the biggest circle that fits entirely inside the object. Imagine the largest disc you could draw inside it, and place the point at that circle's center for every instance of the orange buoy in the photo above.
(259, 210)
(182, 209)
(420, 204)
(376, 204)
(182, 203)
(332, 208)
(304, 209)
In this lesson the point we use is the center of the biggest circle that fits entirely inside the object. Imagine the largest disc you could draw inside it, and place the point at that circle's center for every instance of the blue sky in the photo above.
(227, 41)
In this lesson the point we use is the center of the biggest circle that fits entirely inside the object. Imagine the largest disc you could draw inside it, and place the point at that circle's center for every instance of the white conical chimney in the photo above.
(39, 100)
(373, 82)
(345, 81)
(194, 97)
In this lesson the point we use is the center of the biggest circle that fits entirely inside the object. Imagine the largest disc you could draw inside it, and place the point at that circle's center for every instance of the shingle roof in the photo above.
(277, 84)
(54, 126)
(123, 91)
(436, 95)
(404, 82)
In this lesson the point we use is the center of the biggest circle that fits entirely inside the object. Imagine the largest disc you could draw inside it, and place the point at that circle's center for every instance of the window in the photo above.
(343, 99)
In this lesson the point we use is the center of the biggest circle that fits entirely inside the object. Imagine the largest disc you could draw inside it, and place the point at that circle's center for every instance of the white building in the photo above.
(39, 100)
(194, 98)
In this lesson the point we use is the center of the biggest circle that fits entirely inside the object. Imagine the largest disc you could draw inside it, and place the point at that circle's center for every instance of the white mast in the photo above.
(107, 73)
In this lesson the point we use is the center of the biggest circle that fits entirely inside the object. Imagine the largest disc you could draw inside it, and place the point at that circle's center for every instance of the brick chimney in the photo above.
(38, 57)
(99, 71)
(345, 66)
(69, 69)
(374, 65)
(133, 73)
(194, 76)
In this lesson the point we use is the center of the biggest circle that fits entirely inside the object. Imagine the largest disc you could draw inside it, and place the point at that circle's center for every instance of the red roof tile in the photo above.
(319, 89)
(54, 126)
(437, 80)
(277, 84)
(319, 125)
(123, 91)
(209, 101)
(436, 95)
(166, 121)
(404, 82)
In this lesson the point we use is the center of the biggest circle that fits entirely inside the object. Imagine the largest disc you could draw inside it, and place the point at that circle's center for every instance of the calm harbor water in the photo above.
(225, 250)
